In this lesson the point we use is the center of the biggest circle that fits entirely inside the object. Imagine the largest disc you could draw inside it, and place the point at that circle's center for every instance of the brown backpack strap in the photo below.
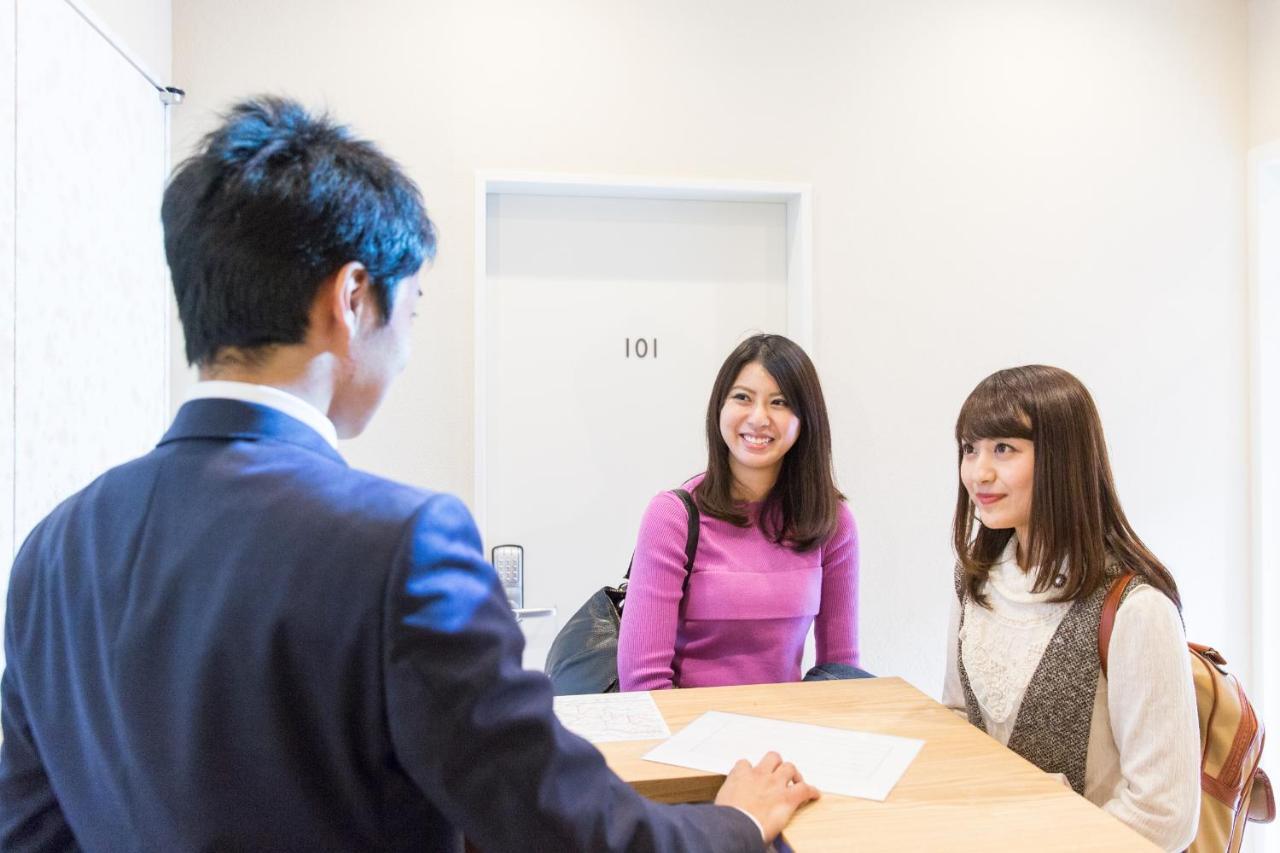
(1262, 805)
(1108, 620)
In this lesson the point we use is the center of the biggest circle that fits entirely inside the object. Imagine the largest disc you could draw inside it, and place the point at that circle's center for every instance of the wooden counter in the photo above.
(963, 792)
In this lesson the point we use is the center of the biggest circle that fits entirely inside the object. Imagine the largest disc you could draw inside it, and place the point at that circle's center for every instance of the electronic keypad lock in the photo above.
(508, 562)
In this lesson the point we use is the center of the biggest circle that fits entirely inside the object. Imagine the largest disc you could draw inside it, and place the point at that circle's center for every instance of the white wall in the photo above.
(144, 26)
(994, 183)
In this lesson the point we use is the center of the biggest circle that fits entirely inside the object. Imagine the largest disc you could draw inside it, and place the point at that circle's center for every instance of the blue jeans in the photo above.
(835, 672)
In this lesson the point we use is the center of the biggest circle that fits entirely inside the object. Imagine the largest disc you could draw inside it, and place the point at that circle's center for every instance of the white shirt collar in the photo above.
(266, 395)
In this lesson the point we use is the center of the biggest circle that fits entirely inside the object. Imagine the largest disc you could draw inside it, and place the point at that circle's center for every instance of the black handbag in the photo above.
(584, 655)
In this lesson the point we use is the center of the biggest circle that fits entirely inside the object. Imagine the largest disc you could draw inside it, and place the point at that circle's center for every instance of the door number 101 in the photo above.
(642, 347)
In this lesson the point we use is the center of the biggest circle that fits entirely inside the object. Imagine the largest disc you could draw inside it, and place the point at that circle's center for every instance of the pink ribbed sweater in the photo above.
(747, 609)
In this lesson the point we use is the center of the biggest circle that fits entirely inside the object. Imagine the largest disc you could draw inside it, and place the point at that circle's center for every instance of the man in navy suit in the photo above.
(237, 642)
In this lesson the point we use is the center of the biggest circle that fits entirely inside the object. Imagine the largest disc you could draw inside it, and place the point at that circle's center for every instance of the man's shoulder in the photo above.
(373, 492)
(352, 499)
(366, 506)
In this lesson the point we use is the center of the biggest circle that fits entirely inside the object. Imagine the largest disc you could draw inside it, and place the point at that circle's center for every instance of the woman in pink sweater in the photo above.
(777, 548)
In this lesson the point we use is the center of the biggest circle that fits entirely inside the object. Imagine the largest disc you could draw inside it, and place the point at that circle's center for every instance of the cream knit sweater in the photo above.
(1143, 760)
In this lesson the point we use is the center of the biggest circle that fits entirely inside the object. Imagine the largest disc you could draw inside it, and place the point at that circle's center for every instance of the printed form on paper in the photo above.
(604, 717)
(836, 761)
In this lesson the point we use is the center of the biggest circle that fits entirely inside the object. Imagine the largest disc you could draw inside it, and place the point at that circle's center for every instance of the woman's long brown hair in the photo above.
(1077, 526)
(803, 507)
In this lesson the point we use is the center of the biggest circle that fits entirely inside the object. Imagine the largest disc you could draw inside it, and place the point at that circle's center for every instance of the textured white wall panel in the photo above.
(7, 62)
(91, 283)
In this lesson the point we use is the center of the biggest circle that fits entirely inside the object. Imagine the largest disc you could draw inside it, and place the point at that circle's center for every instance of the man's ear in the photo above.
(342, 299)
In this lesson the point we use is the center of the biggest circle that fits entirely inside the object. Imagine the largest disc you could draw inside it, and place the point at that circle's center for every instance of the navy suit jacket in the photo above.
(237, 642)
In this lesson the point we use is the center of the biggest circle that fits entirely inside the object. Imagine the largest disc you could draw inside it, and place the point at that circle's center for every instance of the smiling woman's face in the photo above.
(757, 422)
(999, 474)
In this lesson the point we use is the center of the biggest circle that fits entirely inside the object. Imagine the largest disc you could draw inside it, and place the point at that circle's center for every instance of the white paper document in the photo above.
(836, 761)
(612, 716)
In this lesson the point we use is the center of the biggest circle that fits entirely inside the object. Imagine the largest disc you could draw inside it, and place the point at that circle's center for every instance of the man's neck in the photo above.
(305, 375)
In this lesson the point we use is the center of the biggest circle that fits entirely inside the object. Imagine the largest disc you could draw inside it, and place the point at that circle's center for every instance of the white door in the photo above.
(605, 322)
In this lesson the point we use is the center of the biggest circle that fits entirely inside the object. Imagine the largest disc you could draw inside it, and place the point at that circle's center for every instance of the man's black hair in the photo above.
(274, 202)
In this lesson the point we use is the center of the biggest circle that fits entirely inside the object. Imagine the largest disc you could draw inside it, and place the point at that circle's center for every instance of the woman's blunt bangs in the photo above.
(995, 409)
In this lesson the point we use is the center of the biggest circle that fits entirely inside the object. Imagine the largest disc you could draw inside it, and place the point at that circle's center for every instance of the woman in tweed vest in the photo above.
(1022, 661)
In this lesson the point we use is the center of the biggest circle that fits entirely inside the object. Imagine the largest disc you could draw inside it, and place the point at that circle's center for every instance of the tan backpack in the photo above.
(1233, 789)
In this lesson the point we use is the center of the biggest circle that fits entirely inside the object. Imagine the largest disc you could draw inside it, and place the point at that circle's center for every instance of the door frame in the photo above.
(796, 197)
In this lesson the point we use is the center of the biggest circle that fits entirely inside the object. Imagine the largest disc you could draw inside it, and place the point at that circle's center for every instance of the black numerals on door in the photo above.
(642, 348)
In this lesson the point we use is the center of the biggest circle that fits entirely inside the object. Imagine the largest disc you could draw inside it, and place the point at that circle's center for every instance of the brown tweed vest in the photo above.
(1052, 727)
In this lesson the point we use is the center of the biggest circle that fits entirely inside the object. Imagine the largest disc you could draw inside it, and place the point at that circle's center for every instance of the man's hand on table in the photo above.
(770, 792)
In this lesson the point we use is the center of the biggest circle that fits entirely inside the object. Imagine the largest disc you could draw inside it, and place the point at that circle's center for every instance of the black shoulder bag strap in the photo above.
(690, 539)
